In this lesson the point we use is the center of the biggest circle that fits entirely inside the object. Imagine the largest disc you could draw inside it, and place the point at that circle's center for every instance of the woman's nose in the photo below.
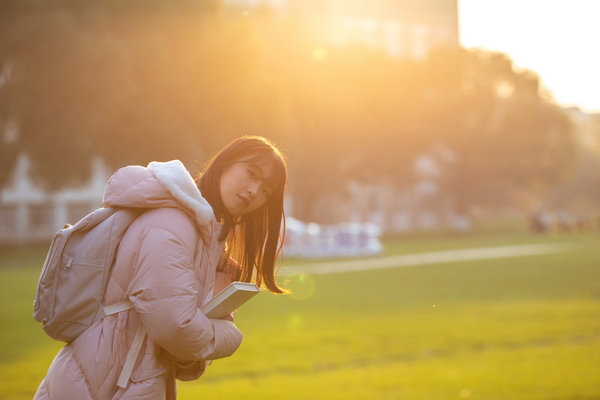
(253, 188)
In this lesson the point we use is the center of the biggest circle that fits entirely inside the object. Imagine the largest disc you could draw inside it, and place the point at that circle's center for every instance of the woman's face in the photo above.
(243, 187)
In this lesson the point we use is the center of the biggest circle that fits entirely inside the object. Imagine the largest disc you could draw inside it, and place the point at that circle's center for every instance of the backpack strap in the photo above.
(136, 345)
(117, 307)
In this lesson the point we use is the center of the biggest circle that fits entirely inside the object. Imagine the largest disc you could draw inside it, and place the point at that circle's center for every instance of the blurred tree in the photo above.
(365, 116)
(504, 135)
(94, 79)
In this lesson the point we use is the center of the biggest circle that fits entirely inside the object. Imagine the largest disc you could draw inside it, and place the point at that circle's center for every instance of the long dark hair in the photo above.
(253, 240)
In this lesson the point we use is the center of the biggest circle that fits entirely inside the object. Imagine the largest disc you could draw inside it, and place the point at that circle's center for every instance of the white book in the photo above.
(229, 299)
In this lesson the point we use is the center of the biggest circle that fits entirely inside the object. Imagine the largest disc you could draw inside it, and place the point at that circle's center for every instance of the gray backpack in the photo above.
(69, 294)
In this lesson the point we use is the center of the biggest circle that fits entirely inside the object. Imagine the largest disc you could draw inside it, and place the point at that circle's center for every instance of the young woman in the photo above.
(193, 239)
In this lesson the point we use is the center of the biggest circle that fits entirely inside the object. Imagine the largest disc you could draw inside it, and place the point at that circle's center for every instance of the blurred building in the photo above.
(28, 213)
(402, 28)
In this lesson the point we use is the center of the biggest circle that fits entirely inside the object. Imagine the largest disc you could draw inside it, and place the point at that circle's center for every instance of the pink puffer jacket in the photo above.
(166, 266)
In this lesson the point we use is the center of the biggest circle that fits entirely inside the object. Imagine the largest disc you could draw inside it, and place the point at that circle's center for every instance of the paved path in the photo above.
(408, 260)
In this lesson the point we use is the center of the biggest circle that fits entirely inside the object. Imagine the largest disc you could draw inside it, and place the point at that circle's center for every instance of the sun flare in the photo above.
(556, 39)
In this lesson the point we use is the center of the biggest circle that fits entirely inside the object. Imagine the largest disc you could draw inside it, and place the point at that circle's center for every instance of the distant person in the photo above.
(540, 222)
(564, 222)
(194, 238)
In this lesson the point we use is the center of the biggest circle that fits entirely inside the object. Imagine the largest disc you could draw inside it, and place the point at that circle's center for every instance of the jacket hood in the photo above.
(161, 184)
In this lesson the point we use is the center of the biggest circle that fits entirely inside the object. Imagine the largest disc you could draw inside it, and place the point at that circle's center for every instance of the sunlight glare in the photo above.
(319, 53)
(301, 285)
(555, 38)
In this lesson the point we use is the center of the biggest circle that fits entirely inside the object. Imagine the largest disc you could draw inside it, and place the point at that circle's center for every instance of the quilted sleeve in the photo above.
(163, 292)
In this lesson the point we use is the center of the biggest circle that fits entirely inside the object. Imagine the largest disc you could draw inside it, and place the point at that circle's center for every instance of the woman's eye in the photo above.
(251, 173)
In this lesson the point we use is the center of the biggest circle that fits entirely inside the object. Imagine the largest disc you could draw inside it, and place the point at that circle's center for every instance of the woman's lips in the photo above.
(244, 200)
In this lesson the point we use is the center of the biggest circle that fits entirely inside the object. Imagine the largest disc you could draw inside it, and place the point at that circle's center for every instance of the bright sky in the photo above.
(558, 39)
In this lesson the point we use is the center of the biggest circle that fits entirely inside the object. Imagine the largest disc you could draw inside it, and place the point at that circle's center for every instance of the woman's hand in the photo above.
(230, 316)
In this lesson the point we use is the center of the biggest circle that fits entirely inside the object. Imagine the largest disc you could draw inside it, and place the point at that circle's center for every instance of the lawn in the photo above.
(514, 328)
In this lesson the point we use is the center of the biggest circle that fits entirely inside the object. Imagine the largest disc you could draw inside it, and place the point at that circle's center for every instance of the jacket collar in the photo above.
(175, 178)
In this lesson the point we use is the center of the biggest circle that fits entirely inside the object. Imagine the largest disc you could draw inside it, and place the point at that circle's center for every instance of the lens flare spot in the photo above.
(319, 53)
(302, 286)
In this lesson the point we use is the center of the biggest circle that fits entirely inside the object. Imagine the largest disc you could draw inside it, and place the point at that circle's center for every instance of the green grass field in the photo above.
(515, 328)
